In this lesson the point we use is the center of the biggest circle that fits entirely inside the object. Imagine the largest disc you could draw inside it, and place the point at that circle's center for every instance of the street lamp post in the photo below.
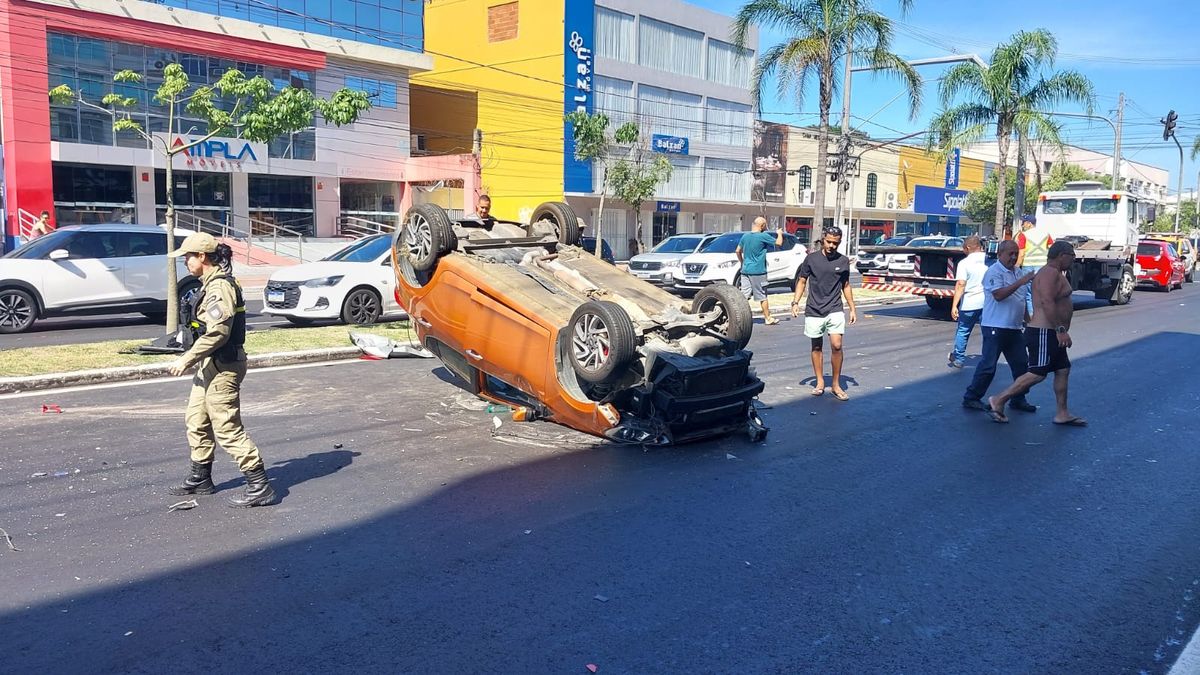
(1116, 127)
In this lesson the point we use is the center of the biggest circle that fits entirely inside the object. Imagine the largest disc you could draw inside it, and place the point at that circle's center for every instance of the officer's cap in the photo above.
(198, 242)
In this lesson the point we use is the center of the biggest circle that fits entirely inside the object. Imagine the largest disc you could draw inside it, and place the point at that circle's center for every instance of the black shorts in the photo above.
(1045, 354)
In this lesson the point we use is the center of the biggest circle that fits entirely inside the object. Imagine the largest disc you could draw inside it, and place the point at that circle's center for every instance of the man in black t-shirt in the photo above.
(826, 275)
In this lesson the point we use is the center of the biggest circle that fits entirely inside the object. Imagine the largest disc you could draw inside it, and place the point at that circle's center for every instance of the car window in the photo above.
(365, 250)
(1061, 206)
(726, 243)
(677, 245)
(789, 243)
(505, 391)
(95, 245)
(953, 242)
(137, 244)
(927, 241)
(41, 247)
(1094, 206)
(1149, 249)
(1171, 250)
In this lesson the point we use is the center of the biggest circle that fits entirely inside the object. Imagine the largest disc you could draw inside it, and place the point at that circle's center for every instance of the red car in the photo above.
(1160, 265)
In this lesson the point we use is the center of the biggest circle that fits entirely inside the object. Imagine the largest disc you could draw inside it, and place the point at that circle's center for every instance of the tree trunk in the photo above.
(820, 178)
(1002, 139)
(600, 211)
(172, 275)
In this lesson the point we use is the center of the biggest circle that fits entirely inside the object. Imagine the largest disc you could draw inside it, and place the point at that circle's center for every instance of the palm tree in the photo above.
(1012, 94)
(1196, 148)
(821, 33)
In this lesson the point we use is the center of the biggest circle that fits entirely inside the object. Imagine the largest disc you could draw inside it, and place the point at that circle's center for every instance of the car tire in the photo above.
(1122, 293)
(428, 235)
(939, 305)
(362, 307)
(738, 323)
(1190, 276)
(18, 310)
(566, 221)
(602, 341)
(299, 320)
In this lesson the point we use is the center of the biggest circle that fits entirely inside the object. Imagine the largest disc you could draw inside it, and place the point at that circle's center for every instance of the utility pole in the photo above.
(840, 197)
(1116, 172)
(1019, 188)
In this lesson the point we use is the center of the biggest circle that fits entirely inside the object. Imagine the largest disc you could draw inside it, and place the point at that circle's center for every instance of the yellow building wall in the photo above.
(917, 168)
(517, 103)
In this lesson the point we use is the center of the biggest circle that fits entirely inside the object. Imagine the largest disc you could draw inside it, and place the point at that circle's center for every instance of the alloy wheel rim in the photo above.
(362, 307)
(14, 310)
(418, 234)
(1126, 284)
(591, 342)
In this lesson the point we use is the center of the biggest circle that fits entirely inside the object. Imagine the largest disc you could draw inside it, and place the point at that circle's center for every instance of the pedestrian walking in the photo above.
(1034, 243)
(1047, 337)
(752, 256)
(967, 308)
(218, 322)
(1003, 322)
(825, 274)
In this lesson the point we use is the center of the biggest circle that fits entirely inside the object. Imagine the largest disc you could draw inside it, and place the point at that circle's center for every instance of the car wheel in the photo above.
(361, 307)
(1189, 277)
(1123, 293)
(602, 341)
(566, 221)
(427, 235)
(299, 321)
(736, 322)
(17, 310)
(940, 305)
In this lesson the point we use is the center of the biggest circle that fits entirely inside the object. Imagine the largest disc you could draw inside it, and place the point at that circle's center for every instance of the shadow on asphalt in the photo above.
(800, 556)
(1084, 302)
(291, 472)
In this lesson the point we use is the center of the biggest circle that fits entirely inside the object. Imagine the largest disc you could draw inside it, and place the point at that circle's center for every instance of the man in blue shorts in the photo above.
(752, 254)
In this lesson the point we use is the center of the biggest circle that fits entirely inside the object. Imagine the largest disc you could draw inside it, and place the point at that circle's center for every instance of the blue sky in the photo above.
(1150, 50)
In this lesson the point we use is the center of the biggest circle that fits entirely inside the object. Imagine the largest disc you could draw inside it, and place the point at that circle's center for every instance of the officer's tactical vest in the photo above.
(228, 352)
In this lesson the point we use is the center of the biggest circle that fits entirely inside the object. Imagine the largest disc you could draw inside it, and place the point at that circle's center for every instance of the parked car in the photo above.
(589, 244)
(89, 270)
(527, 318)
(657, 265)
(717, 261)
(354, 285)
(1159, 265)
(1186, 250)
(905, 263)
(878, 262)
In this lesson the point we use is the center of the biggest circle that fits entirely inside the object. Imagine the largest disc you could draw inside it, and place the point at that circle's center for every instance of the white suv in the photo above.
(89, 269)
(717, 261)
(356, 285)
(657, 265)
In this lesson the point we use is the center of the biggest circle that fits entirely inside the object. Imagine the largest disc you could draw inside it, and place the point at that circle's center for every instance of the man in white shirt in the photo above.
(967, 308)
(1003, 322)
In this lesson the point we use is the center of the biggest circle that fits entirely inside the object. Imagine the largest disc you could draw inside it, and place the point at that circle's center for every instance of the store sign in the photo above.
(194, 153)
(578, 39)
(667, 207)
(937, 201)
(953, 163)
(674, 145)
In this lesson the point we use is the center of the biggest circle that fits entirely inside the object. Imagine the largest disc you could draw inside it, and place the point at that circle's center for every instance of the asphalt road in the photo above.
(894, 533)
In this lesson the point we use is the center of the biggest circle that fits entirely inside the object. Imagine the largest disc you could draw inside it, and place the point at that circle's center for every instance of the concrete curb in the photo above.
(16, 385)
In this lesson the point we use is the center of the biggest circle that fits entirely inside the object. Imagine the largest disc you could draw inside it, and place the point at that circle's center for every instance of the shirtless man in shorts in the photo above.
(1047, 337)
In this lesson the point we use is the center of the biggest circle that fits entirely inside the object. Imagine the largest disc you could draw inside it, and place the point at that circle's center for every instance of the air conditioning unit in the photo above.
(891, 200)
(417, 143)
(808, 197)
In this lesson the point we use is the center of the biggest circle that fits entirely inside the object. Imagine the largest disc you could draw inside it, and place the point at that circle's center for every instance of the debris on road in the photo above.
(50, 408)
(38, 474)
(337, 446)
(730, 456)
(385, 348)
(601, 598)
(183, 506)
(592, 667)
(8, 540)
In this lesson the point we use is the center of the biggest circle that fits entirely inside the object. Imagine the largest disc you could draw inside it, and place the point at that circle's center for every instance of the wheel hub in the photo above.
(591, 342)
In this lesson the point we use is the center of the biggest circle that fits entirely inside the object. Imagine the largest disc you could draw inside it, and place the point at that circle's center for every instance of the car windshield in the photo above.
(677, 245)
(927, 241)
(1094, 206)
(894, 241)
(42, 246)
(1149, 249)
(365, 250)
(726, 243)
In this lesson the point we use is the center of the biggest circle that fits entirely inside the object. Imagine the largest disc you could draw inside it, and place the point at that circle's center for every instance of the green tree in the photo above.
(1164, 221)
(981, 204)
(627, 167)
(1012, 96)
(818, 35)
(234, 105)
(1196, 148)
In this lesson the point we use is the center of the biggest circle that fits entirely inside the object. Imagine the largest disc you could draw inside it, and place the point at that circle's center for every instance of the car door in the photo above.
(386, 283)
(145, 263)
(779, 260)
(92, 273)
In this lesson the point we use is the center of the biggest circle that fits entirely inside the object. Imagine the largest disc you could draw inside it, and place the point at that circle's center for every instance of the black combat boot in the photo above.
(258, 490)
(198, 482)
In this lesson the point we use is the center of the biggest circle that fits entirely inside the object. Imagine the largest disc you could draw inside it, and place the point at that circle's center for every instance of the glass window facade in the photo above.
(381, 93)
(805, 174)
(615, 35)
(399, 24)
(872, 190)
(670, 48)
(88, 65)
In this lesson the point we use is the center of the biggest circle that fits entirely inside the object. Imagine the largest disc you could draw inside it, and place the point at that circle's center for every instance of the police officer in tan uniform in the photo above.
(218, 321)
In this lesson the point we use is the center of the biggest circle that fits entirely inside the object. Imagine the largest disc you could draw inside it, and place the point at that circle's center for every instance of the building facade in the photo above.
(668, 66)
(68, 160)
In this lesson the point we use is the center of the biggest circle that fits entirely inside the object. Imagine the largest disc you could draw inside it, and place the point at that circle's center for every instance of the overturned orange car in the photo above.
(529, 319)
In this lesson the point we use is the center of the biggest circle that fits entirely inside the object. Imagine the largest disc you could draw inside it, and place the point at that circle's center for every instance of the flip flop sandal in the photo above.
(841, 396)
(1073, 422)
(817, 392)
(998, 418)
(772, 322)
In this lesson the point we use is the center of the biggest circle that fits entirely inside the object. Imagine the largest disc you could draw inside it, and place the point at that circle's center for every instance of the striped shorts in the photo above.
(1045, 354)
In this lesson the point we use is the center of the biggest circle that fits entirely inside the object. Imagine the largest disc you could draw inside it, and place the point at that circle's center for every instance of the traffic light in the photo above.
(1169, 125)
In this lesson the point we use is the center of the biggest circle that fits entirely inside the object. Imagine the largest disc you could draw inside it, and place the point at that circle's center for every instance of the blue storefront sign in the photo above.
(674, 145)
(667, 207)
(937, 201)
(578, 40)
(953, 163)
